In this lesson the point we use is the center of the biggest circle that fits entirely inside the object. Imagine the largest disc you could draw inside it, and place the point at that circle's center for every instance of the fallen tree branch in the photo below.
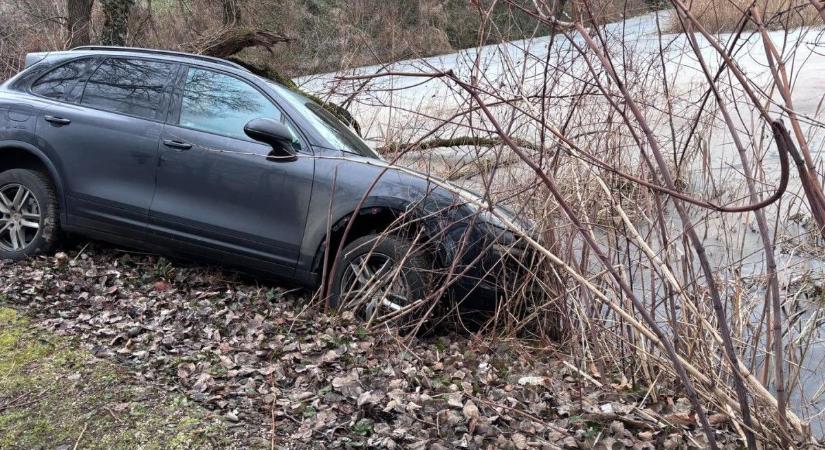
(230, 41)
(475, 141)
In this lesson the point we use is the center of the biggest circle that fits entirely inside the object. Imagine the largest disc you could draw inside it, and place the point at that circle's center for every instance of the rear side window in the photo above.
(129, 86)
(65, 82)
(222, 104)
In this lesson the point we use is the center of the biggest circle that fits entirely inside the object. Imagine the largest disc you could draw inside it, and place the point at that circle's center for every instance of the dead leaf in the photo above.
(470, 410)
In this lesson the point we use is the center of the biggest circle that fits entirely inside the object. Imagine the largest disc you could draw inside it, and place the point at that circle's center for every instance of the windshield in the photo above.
(333, 131)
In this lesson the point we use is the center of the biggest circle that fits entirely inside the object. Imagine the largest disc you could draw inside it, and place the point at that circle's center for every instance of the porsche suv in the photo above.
(198, 157)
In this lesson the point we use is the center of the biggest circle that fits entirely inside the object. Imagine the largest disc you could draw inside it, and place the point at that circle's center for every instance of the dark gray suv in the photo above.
(198, 157)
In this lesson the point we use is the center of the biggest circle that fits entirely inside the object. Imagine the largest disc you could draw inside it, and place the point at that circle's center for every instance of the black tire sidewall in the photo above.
(414, 271)
(43, 192)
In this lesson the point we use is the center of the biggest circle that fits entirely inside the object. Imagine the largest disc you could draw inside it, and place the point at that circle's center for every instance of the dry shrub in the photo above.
(619, 248)
(725, 15)
(27, 26)
(607, 11)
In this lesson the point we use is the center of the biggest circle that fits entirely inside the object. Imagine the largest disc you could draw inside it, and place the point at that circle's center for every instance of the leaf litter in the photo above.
(256, 355)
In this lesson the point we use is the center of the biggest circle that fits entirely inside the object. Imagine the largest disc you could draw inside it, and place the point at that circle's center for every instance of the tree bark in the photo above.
(116, 21)
(231, 12)
(230, 41)
(79, 13)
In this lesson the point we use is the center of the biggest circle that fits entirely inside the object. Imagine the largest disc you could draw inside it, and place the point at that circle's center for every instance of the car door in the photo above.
(104, 132)
(217, 193)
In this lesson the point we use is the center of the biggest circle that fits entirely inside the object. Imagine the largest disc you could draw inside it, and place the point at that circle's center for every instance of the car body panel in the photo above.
(346, 183)
(111, 160)
(225, 193)
(221, 198)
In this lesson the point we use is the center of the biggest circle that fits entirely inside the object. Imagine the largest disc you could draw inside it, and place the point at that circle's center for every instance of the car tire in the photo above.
(28, 214)
(412, 278)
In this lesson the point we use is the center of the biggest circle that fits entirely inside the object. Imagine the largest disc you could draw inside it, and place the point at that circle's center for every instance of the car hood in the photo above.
(471, 199)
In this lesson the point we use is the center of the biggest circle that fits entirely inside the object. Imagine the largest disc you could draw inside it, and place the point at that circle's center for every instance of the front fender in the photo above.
(53, 173)
(344, 187)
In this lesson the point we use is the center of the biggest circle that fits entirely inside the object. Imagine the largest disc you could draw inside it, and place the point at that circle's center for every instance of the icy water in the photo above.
(400, 109)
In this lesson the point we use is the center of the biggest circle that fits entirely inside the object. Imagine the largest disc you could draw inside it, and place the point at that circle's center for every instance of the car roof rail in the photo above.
(151, 51)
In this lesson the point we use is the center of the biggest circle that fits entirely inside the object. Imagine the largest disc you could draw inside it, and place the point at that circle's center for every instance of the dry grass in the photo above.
(725, 15)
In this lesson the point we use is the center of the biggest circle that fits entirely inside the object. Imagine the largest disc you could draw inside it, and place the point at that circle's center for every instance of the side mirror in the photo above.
(275, 134)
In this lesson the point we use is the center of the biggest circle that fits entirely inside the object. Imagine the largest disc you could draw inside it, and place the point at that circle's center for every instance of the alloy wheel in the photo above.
(20, 217)
(374, 287)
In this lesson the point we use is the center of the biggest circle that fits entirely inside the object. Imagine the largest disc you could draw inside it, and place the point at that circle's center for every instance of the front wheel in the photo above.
(28, 214)
(382, 278)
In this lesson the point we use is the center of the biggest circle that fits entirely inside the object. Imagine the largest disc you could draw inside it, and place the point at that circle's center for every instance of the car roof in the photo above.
(168, 55)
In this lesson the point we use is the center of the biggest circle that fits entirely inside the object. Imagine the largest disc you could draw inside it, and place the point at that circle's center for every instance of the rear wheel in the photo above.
(382, 278)
(28, 214)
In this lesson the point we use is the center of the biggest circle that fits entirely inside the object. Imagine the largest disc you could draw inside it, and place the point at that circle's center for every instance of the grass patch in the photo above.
(53, 395)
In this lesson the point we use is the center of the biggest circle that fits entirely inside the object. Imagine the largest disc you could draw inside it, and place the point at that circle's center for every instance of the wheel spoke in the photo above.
(378, 283)
(15, 244)
(21, 236)
(376, 287)
(358, 271)
(20, 197)
(383, 268)
(30, 224)
(5, 203)
(19, 213)
(367, 270)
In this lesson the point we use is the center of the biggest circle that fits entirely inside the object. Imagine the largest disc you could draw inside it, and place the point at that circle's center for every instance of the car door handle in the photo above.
(177, 144)
(57, 120)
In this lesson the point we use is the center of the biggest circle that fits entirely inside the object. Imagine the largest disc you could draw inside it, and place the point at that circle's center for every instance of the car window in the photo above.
(129, 86)
(64, 82)
(334, 132)
(222, 104)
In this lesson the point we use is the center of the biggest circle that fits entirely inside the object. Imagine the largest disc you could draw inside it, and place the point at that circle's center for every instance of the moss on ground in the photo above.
(53, 395)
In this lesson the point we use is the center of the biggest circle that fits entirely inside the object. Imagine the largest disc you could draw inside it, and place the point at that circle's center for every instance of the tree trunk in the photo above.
(231, 12)
(79, 13)
(559, 10)
(116, 21)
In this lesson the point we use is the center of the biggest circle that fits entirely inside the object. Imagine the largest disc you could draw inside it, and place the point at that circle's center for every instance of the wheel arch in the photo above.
(22, 155)
(375, 216)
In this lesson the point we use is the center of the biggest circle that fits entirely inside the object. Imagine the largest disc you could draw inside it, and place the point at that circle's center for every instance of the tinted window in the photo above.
(222, 104)
(64, 82)
(129, 86)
